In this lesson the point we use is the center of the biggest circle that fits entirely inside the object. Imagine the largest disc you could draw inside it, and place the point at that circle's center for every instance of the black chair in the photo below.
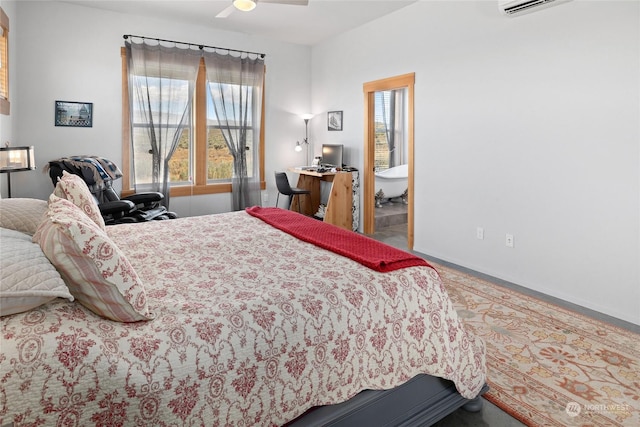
(99, 174)
(282, 183)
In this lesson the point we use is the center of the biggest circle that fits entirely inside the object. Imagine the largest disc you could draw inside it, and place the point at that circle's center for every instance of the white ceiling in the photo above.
(307, 25)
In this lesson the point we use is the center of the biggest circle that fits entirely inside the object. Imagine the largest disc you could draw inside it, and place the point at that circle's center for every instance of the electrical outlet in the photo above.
(509, 241)
(265, 197)
(480, 233)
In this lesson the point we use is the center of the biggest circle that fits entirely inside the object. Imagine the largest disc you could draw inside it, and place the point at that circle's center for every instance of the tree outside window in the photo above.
(202, 160)
(390, 122)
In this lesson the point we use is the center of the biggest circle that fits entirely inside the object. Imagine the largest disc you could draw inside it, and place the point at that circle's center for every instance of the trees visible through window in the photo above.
(219, 161)
(202, 162)
(180, 164)
(219, 157)
(390, 123)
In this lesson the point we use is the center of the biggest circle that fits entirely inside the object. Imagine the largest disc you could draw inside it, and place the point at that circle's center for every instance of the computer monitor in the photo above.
(332, 155)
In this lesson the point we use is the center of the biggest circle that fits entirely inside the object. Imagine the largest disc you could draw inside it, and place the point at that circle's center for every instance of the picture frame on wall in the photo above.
(75, 114)
(334, 120)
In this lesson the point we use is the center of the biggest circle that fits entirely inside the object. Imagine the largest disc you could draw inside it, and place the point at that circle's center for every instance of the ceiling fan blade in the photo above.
(226, 11)
(290, 2)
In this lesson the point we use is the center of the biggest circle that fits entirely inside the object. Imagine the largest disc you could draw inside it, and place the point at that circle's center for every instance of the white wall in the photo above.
(527, 125)
(72, 53)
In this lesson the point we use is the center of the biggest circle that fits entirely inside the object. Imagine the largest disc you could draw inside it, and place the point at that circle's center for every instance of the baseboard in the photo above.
(621, 323)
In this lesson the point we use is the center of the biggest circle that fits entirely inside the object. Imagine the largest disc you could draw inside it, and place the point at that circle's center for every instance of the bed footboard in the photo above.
(422, 401)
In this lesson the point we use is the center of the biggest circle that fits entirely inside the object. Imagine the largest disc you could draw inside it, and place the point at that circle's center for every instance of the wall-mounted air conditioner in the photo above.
(519, 7)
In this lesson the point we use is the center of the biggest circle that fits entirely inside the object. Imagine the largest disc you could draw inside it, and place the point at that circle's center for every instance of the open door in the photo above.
(370, 89)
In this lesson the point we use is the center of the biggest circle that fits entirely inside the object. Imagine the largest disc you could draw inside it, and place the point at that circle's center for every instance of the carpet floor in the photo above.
(549, 366)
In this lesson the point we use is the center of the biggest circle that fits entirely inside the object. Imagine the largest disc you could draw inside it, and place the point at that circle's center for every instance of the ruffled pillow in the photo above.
(97, 273)
(74, 189)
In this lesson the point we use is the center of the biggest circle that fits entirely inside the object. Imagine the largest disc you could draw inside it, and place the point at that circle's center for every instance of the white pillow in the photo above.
(22, 214)
(98, 274)
(27, 278)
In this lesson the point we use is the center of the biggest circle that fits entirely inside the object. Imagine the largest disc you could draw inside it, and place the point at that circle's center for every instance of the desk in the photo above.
(342, 205)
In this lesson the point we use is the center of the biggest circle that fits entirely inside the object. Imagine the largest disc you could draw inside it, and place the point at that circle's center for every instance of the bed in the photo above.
(233, 320)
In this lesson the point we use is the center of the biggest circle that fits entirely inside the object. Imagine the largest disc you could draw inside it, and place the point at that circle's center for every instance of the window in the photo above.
(202, 162)
(219, 158)
(390, 122)
(180, 165)
(4, 63)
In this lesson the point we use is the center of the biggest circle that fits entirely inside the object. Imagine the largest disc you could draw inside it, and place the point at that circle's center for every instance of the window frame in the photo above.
(5, 105)
(199, 186)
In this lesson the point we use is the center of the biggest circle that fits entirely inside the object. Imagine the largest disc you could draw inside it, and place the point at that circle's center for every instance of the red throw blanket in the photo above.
(368, 252)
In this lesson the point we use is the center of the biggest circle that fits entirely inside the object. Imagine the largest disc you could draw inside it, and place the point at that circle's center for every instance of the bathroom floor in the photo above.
(390, 214)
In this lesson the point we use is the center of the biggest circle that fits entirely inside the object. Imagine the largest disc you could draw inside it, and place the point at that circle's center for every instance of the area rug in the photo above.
(548, 366)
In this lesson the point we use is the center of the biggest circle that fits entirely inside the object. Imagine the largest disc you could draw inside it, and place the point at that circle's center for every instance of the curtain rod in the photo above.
(200, 46)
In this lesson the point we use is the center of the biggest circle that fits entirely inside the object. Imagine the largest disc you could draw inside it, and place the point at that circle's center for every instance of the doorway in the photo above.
(372, 92)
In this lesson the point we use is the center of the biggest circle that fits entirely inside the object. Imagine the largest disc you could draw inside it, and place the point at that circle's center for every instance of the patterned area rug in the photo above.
(548, 366)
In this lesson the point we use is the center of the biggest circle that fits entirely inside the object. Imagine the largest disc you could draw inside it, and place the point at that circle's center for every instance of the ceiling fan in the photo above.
(248, 5)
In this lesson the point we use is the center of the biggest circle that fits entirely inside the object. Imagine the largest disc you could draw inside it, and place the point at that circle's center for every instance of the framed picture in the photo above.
(78, 114)
(334, 120)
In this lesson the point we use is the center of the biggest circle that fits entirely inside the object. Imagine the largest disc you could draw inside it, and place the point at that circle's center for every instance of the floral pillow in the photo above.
(74, 189)
(97, 273)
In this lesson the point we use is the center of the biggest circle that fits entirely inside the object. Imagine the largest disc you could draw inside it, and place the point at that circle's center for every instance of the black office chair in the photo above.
(282, 183)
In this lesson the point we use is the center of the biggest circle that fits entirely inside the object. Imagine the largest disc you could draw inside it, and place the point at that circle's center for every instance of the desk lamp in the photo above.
(306, 118)
(16, 159)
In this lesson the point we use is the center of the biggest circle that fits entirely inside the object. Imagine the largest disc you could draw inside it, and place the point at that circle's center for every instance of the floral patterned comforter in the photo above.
(252, 327)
